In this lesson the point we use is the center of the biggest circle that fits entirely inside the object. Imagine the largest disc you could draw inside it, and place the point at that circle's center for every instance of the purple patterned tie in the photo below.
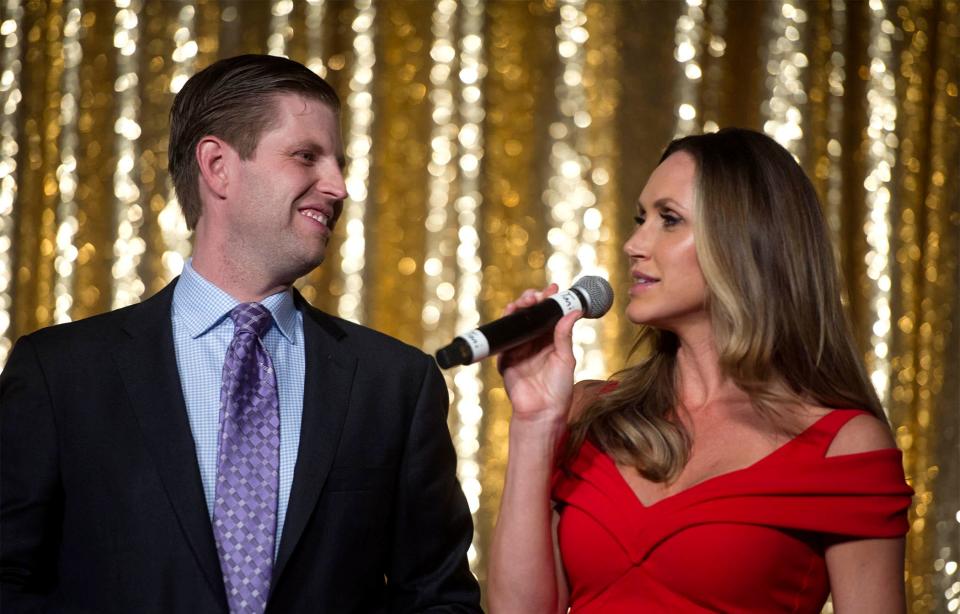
(245, 511)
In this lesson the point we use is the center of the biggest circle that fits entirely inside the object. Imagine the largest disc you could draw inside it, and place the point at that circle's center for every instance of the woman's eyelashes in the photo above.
(668, 218)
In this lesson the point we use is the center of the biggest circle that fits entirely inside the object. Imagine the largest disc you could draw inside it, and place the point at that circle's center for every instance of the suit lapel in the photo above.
(147, 363)
(329, 373)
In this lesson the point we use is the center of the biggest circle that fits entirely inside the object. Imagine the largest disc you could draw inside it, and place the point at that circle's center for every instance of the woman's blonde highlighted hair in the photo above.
(773, 295)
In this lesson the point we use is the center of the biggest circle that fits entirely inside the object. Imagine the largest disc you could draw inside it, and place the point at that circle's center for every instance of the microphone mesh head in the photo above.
(599, 295)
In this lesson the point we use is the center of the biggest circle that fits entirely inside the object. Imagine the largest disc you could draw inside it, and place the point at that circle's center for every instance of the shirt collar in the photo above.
(201, 305)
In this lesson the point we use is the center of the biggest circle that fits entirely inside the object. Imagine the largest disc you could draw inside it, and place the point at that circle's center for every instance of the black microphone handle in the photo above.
(509, 331)
(521, 326)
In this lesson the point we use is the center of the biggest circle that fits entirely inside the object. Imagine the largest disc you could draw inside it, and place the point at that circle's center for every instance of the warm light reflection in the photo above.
(688, 33)
(836, 80)
(716, 47)
(314, 21)
(467, 384)
(574, 216)
(67, 224)
(359, 144)
(128, 246)
(280, 30)
(785, 67)
(173, 227)
(10, 97)
(185, 49)
(443, 173)
(881, 147)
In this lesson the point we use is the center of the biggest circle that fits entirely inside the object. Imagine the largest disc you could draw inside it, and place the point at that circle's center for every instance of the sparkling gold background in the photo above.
(494, 145)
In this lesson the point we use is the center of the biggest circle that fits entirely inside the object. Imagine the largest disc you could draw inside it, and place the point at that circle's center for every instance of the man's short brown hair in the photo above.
(232, 99)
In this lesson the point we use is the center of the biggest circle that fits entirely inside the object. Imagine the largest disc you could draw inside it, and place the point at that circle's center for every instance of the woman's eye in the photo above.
(669, 220)
(638, 219)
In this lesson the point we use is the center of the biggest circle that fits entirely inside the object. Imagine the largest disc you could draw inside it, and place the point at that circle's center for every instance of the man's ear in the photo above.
(214, 156)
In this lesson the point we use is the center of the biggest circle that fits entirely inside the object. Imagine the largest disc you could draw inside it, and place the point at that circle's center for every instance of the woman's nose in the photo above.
(637, 244)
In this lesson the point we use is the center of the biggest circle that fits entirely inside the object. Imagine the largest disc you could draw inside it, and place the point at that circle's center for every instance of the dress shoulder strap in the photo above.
(821, 433)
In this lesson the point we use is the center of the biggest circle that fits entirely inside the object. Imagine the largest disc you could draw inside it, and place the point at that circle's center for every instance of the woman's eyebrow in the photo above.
(660, 204)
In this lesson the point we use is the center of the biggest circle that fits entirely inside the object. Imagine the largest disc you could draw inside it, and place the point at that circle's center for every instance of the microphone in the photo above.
(590, 294)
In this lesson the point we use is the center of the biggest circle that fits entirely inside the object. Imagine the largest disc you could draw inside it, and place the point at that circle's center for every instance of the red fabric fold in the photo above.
(751, 540)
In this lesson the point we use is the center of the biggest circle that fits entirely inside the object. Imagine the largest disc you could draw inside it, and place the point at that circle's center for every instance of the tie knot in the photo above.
(251, 317)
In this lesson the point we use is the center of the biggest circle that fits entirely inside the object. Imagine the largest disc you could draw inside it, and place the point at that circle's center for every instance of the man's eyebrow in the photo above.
(308, 144)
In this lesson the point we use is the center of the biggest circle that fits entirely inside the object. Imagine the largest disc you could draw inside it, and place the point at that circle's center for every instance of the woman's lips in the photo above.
(642, 283)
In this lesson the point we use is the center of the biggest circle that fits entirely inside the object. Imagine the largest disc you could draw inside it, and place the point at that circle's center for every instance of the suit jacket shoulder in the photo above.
(99, 476)
(365, 338)
(97, 332)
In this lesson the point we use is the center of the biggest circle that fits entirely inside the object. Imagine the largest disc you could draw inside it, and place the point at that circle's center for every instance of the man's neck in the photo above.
(242, 283)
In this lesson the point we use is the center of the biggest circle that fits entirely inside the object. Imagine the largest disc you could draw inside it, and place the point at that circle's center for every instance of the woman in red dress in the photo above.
(745, 465)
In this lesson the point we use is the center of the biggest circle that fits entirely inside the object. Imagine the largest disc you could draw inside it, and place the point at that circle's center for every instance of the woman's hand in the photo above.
(538, 375)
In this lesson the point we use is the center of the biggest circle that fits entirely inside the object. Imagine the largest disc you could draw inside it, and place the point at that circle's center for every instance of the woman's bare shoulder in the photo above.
(862, 433)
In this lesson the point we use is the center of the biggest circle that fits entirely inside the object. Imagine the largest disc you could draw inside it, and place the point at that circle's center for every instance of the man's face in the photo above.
(287, 197)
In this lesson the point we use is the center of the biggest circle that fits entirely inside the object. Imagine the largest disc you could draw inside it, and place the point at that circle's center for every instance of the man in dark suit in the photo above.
(308, 471)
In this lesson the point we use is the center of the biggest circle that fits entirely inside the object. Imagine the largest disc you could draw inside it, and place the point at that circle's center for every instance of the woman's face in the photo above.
(668, 289)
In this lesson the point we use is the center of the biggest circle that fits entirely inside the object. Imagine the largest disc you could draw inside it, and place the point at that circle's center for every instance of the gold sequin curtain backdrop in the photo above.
(464, 122)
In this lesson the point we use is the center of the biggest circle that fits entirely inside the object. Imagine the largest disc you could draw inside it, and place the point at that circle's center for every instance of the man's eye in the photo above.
(308, 156)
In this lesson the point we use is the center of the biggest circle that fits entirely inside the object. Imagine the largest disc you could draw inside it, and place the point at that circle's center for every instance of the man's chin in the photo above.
(307, 265)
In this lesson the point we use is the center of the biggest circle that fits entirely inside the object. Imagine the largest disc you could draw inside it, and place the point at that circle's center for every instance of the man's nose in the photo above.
(332, 183)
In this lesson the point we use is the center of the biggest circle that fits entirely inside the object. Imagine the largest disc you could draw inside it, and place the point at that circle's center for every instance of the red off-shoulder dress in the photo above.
(752, 540)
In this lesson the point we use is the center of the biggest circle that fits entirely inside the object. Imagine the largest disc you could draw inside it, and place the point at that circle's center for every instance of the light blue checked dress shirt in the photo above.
(202, 330)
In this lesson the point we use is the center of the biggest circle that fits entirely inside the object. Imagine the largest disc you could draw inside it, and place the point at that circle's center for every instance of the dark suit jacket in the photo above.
(102, 508)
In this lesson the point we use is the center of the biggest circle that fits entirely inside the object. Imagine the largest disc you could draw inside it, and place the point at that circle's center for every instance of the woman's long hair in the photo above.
(773, 297)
